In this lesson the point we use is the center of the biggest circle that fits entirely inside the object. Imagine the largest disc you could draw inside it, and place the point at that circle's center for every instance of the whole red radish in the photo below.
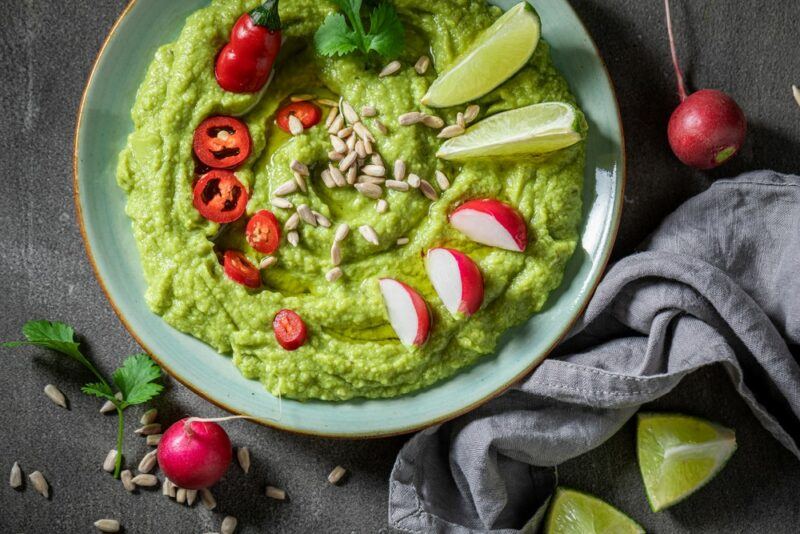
(708, 128)
(194, 454)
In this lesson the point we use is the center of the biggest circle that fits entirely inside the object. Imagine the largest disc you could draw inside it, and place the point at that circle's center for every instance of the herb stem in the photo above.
(675, 64)
(120, 436)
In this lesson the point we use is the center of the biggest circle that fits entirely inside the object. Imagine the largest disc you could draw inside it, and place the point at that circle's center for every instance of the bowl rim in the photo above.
(604, 261)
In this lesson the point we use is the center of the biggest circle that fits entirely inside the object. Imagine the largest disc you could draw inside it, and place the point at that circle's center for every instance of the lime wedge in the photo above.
(573, 512)
(497, 54)
(679, 454)
(536, 129)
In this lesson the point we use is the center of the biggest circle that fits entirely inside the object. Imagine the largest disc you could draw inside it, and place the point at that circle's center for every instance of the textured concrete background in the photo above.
(746, 47)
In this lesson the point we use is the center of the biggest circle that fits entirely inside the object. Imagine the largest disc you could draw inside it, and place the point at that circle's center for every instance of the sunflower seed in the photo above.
(107, 525)
(454, 130)
(336, 254)
(432, 121)
(796, 93)
(109, 406)
(338, 145)
(368, 146)
(337, 176)
(382, 206)
(286, 188)
(295, 125)
(341, 232)
(397, 185)
(276, 493)
(349, 112)
(428, 190)
(173, 489)
(302, 98)
(335, 156)
(267, 262)
(471, 113)
(110, 461)
(327, 102)
(346, 163)
(441, 179)
(293, 238)
(352, 142)
(281, 203)
(364, 179)
(15, 479)
(369, 190)
(363, 132)
(191, 496)
(243, 457)
(369, 111)
(369, 234)
(145, 480)
(149, 416)
(374, 170)
(148, 462)
(55, 395)
(147, 430)
(413, 117)
(322, 220)
(414, 180)
(299, 167)
(307, 215)
(127, 480)
(376, 159)
(336, 125)
(336, 475)
(228, 525)
(402, 241)
(180, 496)
(153, 440)
(381, 127)
(208, 499)
(390, 69)
(360, 150)
(292, 222)
(40, 484)
(352, 175)
(461, 121)
(327, 180)
(422, 65)
(344, 133)
(300, 180)
(399, 169)
(334, 274)
(332, 114)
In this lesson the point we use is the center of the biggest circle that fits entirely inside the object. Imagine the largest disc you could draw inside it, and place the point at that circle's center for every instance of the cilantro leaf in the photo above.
(386, 35)
(99, 389)
(334, 37)
(135, 379)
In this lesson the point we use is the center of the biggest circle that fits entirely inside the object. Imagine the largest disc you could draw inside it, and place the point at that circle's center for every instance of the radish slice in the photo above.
(408, 312)
(457, 280)
(493, 223)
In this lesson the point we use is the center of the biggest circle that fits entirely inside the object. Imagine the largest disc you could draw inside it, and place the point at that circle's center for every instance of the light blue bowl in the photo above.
(104, 124)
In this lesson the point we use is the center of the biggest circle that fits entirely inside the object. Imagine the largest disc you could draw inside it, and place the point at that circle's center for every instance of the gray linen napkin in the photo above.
(718, 282)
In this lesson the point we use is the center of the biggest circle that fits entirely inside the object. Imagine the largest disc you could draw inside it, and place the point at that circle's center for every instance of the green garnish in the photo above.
(386, 35)
(135, 380)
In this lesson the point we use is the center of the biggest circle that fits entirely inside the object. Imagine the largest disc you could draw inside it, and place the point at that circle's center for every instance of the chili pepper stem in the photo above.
(267, 15)
(675, 64)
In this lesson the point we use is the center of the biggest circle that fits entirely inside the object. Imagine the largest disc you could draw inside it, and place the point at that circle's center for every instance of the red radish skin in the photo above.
(457, 280)
(194, 455)
(491, 222)
(708, 127)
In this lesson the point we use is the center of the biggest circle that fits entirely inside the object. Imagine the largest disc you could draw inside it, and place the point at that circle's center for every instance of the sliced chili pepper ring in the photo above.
(222, 142)
(264, 232)
(220, 197)
(308, 113)
(240, 270)
(290, 330)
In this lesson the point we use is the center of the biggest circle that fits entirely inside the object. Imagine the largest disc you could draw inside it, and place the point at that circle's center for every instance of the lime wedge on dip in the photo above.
(497, 54)
(679, 454)
(573, 512)
(536, 129)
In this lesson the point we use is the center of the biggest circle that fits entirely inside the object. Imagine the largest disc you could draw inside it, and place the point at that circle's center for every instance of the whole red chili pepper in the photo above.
(244, 64)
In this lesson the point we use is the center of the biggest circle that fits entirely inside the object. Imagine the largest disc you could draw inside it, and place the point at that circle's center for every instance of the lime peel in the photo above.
(574, 512)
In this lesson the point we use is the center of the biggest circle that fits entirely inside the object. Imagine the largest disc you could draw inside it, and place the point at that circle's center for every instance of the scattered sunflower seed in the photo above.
(337, 176)
(352, 142)
(228, 525)
(295, 125)
(344, 133)
(471, 113)
(302, 98)
(332, 114)
(422, 65)
(349, 112)
(397, 185)
(336, 475)
(281, 203)
(292, 222)
(414, 180)
(55, 395)
(369, 190)
(107, 525)
(299, 167)
(145, 480)
(368, 146)
(327, 102)
(382, 206)
(381, 127)
(180, 496)
(335, 156)
(243, 457)
(432, 121)
(153, 440)
(109, 406)
(307, 215)
(208, 499)
(364, 179)
(322, 220)
(172, 489)
(127, 480)
(413, 117)
(148, 462)
(147, 430)
(334, 274)
(327, 180)
(376, 159)
(391, 68)
(363, 132)
(402, 241)
(461, 121)
(336, 125)
(369, 111)
(352, 175)
(346, 163)
(338, 145)
(428, 190)
(110, 461)
(300, 180)
(293, 238)
(191, 496)
(374, 170)
(454, 130)
(15, 479)
(399, 169)
(149, 416)
(336, 254)
(360, 149)
(286, 188)
(276, 493)
(369, 234)
(341, 232)
(40, 484)
(441, 179)
(796, 93)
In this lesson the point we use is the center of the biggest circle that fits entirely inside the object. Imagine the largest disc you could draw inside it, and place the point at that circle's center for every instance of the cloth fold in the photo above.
(717, 283)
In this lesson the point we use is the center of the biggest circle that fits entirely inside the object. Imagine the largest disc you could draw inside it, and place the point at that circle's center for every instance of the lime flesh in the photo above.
(497, 54)
(679, 454)
(573, 512)
(536, 129)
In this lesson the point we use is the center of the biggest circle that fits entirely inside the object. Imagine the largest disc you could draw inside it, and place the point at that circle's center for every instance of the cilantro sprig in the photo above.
(338, 38)
(135, 380)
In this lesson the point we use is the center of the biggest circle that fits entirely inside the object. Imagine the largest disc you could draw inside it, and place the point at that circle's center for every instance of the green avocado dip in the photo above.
(352, 350)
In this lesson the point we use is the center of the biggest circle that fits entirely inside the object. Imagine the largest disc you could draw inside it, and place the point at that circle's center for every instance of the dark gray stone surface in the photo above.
(748, 48)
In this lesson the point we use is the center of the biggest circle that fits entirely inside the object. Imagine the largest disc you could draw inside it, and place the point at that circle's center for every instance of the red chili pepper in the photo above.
(263, 232)
(290, 330)
(240, 270)
(244, 65)
(222, 142)
(220, 197)
(308, 113)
